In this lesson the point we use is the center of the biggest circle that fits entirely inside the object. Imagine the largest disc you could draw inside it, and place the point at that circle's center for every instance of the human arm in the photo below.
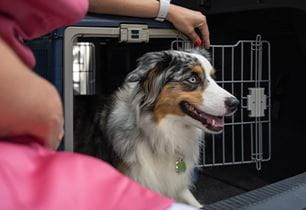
(183, 19)
(29, 104)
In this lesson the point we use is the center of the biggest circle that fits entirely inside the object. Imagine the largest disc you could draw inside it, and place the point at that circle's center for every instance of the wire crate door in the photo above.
(244, 70)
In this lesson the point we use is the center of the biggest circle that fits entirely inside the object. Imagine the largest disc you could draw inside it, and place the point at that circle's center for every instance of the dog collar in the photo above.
(180, 166)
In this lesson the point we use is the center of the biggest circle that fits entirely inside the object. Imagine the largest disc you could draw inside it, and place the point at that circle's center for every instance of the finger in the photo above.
(195, 38)
(205, 34)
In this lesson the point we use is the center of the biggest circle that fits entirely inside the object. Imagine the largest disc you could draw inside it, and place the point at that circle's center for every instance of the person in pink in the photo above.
(32, 174)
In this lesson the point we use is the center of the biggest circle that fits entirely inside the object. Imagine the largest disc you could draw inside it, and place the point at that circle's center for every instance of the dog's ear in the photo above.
(147, 63)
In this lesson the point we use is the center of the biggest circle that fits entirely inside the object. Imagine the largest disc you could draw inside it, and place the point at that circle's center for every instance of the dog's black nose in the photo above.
(231, 104)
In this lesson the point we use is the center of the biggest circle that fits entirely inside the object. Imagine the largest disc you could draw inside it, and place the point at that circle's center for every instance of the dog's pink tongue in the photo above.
(217, 122)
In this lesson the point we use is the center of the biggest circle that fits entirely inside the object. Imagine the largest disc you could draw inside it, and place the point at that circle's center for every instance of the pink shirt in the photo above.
(28, 19)
(35, 178)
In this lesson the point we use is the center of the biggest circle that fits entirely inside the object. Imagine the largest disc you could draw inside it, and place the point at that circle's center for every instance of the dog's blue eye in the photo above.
(193, 80)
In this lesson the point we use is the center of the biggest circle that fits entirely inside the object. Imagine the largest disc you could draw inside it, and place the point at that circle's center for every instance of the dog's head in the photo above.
(181, 83)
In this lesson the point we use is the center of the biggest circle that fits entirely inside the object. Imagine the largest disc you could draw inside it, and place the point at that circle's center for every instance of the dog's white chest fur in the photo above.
(155, 159)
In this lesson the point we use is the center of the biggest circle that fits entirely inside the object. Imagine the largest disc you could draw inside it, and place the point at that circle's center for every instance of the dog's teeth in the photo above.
(213, 122)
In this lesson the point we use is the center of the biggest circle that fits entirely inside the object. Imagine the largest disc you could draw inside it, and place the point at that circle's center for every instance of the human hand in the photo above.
(186, 21)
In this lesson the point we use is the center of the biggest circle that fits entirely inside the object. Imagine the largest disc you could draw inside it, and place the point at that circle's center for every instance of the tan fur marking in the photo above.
(198, 69)
(170, 97)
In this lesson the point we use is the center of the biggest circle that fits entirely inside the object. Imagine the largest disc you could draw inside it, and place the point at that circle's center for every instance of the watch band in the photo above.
(163, 10)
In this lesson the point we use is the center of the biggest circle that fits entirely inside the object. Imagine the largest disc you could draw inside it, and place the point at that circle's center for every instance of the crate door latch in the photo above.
(257, 102)
(134, 33)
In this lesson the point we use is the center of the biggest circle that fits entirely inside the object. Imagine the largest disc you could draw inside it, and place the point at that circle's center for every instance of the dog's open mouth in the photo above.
(213, 123)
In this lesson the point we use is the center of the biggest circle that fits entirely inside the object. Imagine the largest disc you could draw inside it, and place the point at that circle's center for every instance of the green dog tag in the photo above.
(180, 166)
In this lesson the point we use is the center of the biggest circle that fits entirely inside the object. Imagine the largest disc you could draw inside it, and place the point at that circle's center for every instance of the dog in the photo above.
(155, 122)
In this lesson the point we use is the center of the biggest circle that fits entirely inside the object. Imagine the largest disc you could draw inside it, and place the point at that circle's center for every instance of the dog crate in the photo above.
(242, 68)
(93, 57)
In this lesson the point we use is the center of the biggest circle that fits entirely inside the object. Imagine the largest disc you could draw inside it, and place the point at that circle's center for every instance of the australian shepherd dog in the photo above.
(156, 120)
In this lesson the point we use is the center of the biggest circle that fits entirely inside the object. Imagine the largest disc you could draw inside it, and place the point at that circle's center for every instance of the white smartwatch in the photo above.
(163, 10)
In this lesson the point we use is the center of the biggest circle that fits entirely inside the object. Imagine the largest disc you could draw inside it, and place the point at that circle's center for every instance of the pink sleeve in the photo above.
(28, 19)
(33, 177)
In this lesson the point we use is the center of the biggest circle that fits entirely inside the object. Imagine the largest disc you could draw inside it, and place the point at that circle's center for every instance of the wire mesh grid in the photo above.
(83, 73)
(244, 70)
